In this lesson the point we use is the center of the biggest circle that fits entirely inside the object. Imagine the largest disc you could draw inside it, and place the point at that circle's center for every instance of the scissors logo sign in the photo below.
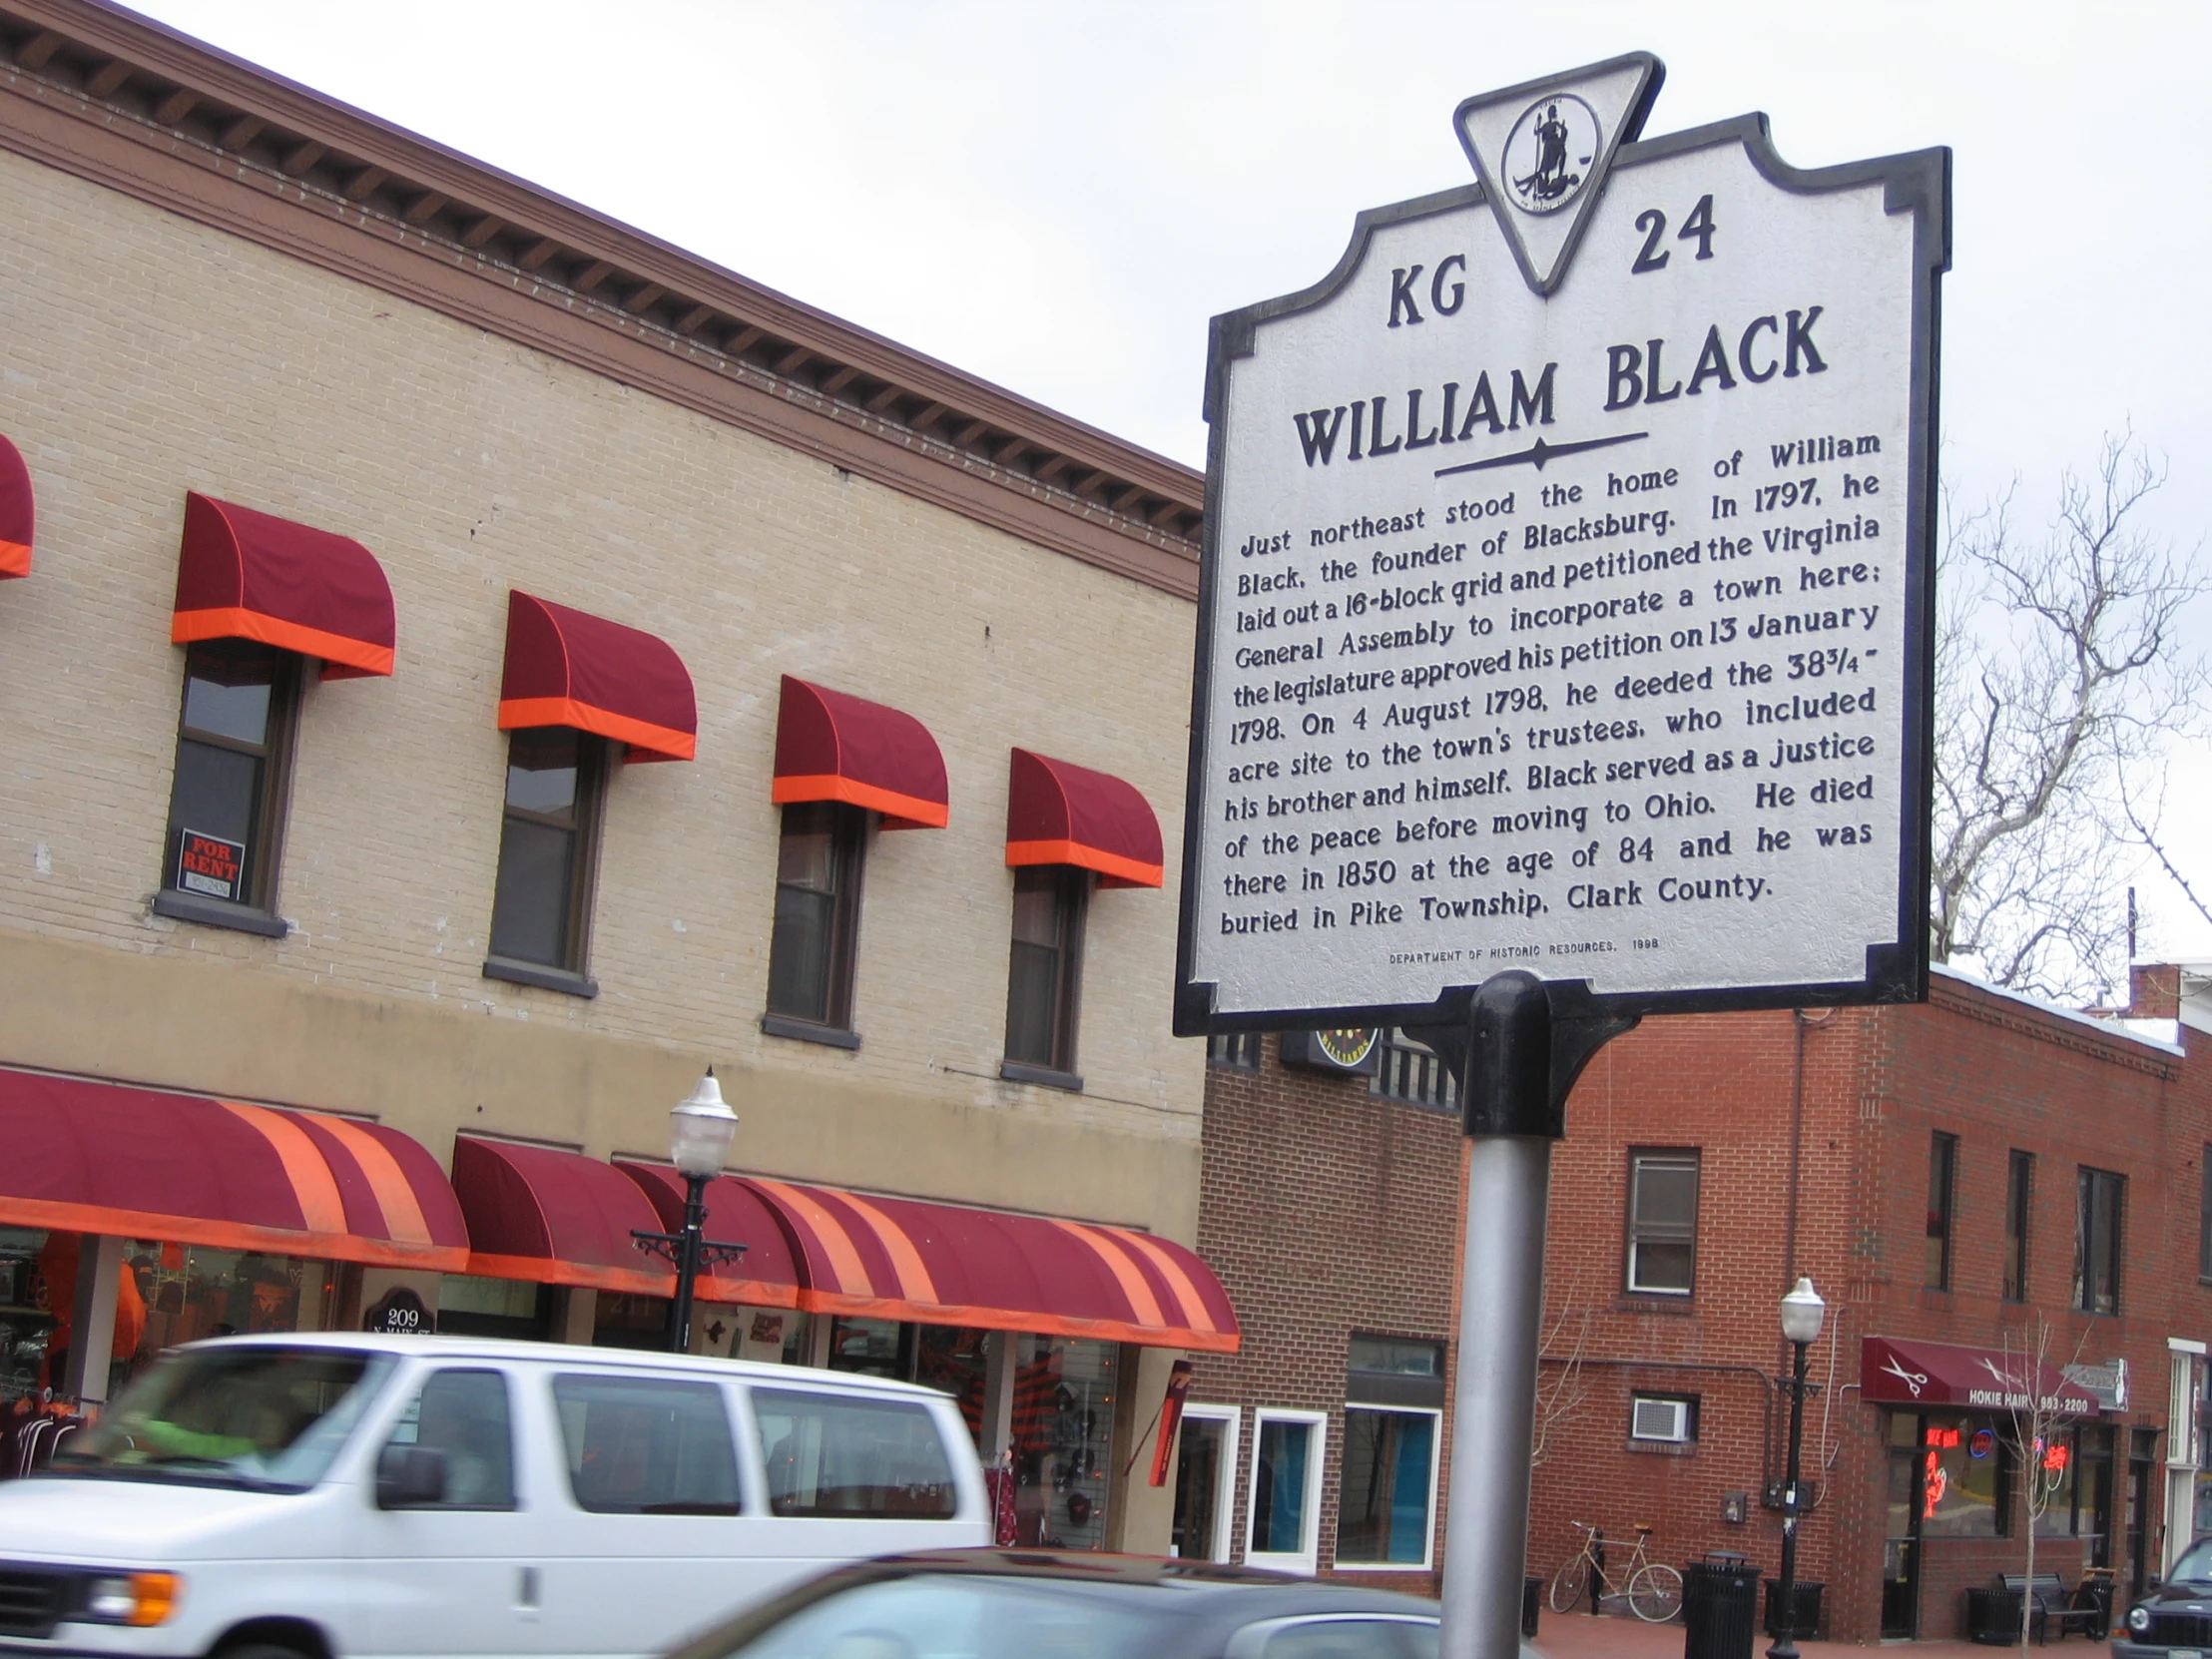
(1913, 1379)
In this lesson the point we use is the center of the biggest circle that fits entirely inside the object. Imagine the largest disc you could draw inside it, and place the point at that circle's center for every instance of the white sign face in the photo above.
(1580, 632)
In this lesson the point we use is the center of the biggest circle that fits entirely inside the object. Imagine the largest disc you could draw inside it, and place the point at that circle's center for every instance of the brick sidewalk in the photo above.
(1579, 1636)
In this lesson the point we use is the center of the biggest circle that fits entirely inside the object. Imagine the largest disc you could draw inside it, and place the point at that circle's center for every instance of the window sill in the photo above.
(1662, 1448)
(215, 912)
(545, 978)
(807, 1031)
(1014, 1071)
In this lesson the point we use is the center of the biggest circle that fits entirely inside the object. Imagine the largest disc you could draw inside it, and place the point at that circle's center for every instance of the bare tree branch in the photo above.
(2062, 677)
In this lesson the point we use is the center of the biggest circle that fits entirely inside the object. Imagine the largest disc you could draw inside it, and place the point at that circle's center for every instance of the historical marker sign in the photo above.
(1567, 584)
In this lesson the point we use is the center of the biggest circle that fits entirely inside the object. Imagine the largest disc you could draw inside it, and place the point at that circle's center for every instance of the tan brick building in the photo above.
(214, 282)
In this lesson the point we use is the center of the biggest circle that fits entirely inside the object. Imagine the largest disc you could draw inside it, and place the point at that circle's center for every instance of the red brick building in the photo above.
(1946, 1174)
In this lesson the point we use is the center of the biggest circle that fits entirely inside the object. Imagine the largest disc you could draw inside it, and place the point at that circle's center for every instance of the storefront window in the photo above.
(514, 1308)
(1389, 1462)
(956, 1358)
(872, 1347)
(171, 1294)
(2052, 1492)
(1964, 1488)
(1063, 1439)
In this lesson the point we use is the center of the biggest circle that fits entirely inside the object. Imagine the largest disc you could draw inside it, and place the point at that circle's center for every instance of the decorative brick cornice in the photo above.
(112, 97)
(2075, 1035)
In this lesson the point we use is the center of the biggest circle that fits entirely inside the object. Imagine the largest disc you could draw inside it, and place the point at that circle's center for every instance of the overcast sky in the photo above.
(1057, 196)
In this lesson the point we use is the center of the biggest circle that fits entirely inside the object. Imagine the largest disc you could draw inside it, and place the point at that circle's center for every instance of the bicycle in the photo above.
(1654, 1588)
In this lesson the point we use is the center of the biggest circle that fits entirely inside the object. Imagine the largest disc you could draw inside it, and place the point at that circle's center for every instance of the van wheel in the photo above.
(261, 1650)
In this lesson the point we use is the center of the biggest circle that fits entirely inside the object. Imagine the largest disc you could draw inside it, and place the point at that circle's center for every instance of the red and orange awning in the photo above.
(1058, 813)
(832, 747)
(243, 575)
(92, 1157)
(554, 1218)
(765, 1274)
(570, 667)
(947, 1263)
(17, 514)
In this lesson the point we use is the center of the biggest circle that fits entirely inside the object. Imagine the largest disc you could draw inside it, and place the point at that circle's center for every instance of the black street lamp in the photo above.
(1802, 1312)
(700, 1132)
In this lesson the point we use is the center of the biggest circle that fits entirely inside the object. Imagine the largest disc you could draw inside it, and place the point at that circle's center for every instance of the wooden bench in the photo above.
(2051, 1605)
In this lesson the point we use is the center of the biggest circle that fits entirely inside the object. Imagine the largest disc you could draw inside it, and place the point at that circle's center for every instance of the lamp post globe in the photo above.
(700, 1131)
(1803, 1312)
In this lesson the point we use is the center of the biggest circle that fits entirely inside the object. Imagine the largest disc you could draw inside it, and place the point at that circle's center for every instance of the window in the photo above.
(1390, 1487)
(647, 1445)
(1239, 1049)
(2102, 1197)
(548, 855)
(1411, 1071)
(818, 918)
(844, 1456)
(1668, 1420)
(2204, 1219)
(2019, 1188)
(1044, 977)
(463, 1414)
(1966, 1478)
(1942, 1173)
(227, 804)
(1662, 1222)
(1287, 1452)
(1205, 1467)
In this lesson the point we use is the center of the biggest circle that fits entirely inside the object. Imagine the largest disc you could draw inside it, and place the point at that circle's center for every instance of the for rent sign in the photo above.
(1567, 581)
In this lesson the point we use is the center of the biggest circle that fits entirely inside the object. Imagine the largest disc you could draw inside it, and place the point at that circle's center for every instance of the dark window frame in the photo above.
(847, 827)
(2097, 1260)
(1234, 1050)
(1942, 1209)
(1638, 1232)
(2019, 1206)
(1071, 889)
(2204, 1221)
(595, 760)
(256, 911)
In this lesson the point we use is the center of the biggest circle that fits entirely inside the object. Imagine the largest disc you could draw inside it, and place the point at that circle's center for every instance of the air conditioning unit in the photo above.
(1659, 1419)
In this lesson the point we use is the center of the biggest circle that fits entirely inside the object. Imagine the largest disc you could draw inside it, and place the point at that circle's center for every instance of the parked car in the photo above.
(303, 1497)
(1067, 1605)
(2175, 1620)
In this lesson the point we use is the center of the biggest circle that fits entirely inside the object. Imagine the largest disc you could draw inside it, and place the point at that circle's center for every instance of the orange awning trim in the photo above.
(233, 621)
(15, 558)
(546, 1270)
(58, 1216)
(912, 809)
(647, 740)
(1136, 873)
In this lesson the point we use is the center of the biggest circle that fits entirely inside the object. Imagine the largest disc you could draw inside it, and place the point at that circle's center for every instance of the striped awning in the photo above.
(92, 1157)
(555, 1217)
(947, 1264)
(766, 1275)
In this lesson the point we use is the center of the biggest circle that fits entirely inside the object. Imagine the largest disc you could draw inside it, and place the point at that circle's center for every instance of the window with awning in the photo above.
(17, 516)
(569, 667)
(246, 575)
(834, 746)
(93, 1157)
(1061, 814)
(554, 1217)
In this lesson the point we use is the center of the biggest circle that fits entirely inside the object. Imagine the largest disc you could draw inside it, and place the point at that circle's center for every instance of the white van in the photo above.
(328, 1496)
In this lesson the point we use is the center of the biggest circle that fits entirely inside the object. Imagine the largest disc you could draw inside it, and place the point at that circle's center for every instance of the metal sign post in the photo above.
(1564, 648)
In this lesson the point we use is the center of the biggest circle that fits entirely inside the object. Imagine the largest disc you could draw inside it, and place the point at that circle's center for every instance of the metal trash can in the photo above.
(1720, 1608)
(1805, 1622)
(1531, 1600)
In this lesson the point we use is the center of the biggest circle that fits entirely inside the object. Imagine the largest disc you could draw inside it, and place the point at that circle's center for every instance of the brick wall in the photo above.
(1326, 1211)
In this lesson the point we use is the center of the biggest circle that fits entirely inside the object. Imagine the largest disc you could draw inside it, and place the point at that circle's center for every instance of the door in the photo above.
(457, 1576)
(2141, 1484)
(1900, 1549)
(1205, 1481)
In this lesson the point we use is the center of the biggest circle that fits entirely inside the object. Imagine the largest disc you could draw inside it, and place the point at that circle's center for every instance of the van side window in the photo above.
(843, 1455)
(463, 1414)
(647, 1445)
